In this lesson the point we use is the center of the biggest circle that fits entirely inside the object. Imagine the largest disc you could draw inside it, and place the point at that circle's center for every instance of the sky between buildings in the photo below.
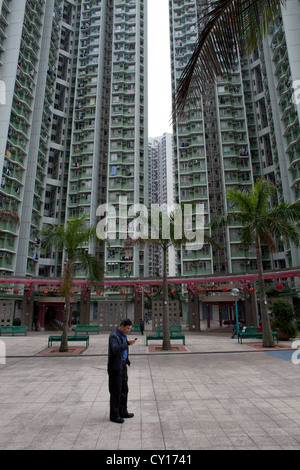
(159, 74)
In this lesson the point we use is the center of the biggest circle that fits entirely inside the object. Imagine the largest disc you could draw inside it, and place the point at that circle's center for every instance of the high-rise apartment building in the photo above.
(73, 131)
(128, 133)
(161, 193)
(244, 126)
(27, 33)
(274, 72)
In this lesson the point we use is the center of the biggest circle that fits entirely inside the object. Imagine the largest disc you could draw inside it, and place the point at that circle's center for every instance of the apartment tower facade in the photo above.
(73, 123)
(161, 193)
(235, 134)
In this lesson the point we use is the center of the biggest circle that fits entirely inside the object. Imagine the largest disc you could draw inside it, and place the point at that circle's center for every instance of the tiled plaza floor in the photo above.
(217, 394)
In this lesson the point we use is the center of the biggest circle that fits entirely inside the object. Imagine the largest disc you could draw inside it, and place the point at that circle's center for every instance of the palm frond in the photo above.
(262, 192)
(52, 235)
(230, 27)
(281, 222)
(268, 240)
(286, 211)
(241, 199)
(208, 240)
(286, 231)
(91, 265)
(226, 219)
(73, 238)
(247, 235)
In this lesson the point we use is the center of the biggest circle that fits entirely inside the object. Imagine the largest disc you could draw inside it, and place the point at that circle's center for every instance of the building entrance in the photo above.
(51, 315)
(50, 319)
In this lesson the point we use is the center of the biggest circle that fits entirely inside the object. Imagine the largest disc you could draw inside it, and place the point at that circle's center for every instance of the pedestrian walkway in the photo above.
(216, 394)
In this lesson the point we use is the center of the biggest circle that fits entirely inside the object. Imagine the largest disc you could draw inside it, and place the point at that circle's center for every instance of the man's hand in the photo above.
(131, 341)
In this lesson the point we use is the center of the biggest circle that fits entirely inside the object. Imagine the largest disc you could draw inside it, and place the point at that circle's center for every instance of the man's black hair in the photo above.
(126, 322)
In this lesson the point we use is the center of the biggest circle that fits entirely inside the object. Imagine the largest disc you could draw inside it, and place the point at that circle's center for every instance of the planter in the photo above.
(284, 317)
(282, 336)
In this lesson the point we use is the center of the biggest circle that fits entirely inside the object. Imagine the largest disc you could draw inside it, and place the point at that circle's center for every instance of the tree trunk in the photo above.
(64, 339)
(166, 346)
(65, 290)
(268, 341)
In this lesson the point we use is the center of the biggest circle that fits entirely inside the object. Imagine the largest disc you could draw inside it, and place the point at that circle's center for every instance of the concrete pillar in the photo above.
(41, 317)
(85, 305)
(27, 308)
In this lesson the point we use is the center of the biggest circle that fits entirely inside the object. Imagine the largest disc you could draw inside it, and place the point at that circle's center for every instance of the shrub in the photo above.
(284, 317)
(283, 311)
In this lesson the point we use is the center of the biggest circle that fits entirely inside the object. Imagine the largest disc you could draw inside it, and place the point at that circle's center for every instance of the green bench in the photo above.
(135, 329)
(157, 336)
(87, 329)
(175, 329)
(175, 333)
(251, 332)
(13, 330)
(53, 339)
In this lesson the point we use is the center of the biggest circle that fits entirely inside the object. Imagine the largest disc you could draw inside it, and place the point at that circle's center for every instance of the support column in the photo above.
(220, 317)
(230, 314)
(208, 315)
(27, 308)
(193, 307)
(138, 308)
(41, 317)
(251, 309)
(85, 303)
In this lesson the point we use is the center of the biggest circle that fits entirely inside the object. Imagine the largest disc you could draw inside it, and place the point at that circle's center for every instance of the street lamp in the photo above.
(236, 292)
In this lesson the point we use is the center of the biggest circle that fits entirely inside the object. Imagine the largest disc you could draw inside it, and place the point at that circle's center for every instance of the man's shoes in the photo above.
(118, 420)
(128, 415)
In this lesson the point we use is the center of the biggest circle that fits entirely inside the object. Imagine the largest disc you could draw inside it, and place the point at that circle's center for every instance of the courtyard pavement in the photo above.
(215, 394)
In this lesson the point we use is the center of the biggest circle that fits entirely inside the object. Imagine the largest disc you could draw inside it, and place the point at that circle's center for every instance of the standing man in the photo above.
(142, 326)
(117, 371)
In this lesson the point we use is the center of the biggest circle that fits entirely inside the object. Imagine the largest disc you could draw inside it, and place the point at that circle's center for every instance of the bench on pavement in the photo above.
(251, 332)
(53, 339)
(175, 333)
(135, 329)
(175, 329)
(87, 329)
(13, 330)
(157, 336)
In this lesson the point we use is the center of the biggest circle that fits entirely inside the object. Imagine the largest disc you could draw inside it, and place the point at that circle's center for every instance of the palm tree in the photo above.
(230, 27)
(72, 239)
(176, 237)
(164, 244)
(262, 224)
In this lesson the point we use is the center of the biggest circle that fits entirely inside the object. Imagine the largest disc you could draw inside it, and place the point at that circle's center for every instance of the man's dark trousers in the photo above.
(118, 389)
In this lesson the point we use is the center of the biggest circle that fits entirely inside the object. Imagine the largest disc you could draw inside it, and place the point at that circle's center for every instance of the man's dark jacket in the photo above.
(116, 347)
